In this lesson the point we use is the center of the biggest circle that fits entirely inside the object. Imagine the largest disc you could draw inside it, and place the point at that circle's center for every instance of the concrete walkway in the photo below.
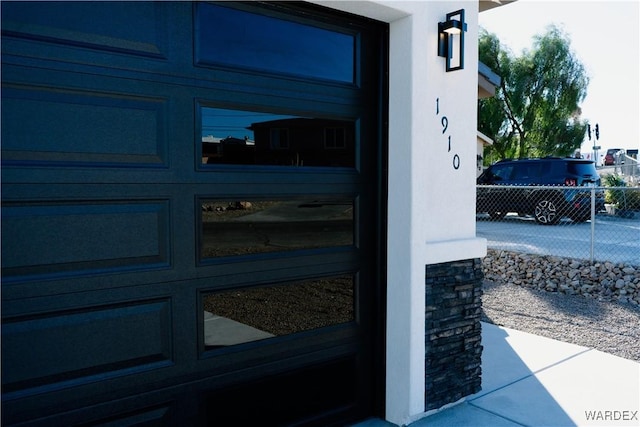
(528, 380)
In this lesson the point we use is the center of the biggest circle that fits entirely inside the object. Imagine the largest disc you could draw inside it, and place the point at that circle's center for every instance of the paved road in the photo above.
(616, 239)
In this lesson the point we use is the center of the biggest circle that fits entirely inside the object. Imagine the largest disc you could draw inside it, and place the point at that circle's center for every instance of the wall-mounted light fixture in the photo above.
(449, 32)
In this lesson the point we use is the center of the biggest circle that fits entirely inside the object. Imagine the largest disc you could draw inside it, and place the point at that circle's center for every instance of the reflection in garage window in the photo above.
(255, 138)
(279, 139)
(245, 315)
(334, 138)
(248, 227)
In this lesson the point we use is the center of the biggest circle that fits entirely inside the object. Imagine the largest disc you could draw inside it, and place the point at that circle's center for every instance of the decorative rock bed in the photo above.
(603, 280)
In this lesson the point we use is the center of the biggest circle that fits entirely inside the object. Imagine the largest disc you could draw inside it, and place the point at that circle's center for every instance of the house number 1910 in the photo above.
(444, 121)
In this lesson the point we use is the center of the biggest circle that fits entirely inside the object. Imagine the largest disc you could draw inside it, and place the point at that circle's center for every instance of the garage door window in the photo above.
(235, 38)
(236, 228)
(257, 138)
(245, 315)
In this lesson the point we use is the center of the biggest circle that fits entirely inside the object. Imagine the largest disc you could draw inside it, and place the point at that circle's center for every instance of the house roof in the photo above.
(296, 122)
(484, 139)
(488, 74)
(487, 81)
(490, 4)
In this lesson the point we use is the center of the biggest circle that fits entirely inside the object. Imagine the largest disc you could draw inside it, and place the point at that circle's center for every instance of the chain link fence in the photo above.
(590, 223)
(623, 166)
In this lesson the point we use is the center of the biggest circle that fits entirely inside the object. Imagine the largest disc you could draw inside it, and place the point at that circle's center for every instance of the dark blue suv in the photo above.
(549, 189)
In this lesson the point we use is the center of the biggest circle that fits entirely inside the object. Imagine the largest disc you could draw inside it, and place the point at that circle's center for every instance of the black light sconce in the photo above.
(448, 32)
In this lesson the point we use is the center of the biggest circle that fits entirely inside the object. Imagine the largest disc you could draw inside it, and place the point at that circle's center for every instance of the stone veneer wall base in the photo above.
(452, 334)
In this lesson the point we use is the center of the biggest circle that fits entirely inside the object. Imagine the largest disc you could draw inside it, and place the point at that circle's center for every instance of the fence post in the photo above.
(593, 220)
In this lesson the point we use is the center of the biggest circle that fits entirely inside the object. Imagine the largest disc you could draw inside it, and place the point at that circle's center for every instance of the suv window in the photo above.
(581, 168)
(526, 171)
(500, 172)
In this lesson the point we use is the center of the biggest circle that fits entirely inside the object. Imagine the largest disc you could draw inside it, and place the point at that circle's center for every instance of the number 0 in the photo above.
(456, 162)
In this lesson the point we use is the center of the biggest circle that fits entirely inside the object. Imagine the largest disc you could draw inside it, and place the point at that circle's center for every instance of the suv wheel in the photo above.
(546, 211)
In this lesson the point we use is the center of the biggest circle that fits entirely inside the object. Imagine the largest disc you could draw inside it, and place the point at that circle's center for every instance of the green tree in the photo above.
(536, 109)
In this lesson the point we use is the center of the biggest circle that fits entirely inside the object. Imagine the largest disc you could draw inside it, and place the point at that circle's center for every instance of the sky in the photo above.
(605, 37)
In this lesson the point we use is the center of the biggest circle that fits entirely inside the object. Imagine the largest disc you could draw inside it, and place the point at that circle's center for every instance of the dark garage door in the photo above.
(191, 213)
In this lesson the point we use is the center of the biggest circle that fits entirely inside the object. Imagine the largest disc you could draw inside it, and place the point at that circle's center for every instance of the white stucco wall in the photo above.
(431, 205)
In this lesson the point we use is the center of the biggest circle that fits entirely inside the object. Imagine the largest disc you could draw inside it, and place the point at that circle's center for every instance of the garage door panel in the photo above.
(104, 270)
(137, 411)
(135, 28)
(62, 349)
(66, 239)
(145, 417)
(52, 126)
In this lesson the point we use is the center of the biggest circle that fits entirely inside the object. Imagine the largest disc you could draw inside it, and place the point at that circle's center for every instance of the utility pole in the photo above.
(595, 147)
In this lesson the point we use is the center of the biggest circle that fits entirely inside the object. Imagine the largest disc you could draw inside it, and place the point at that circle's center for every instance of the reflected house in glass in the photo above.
(304, 142)
(230, 150)
(293, 141)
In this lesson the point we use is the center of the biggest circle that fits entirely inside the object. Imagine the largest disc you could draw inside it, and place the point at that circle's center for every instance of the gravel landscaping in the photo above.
(283, 310)
(605, 281)
(599, 319)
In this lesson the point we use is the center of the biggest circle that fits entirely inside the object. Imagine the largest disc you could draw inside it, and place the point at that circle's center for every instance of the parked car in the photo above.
(612, 155)
(499, 189)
